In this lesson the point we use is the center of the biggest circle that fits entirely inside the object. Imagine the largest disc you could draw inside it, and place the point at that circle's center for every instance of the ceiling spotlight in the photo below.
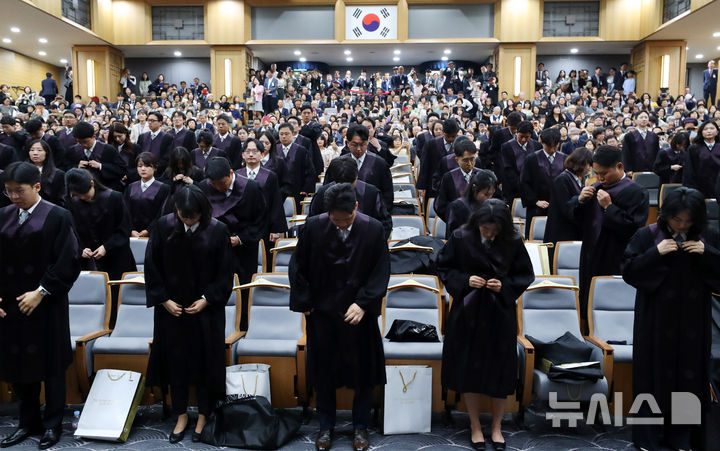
(349, 59)
(687, 48)
(177, 53)
(447, 51)
(7, 40)
(297, 52)
(716, 34)
(15, 29)
(41, 53)
(396, 52)
(42, 41)
(63, 61)
(303, 59)
(444, 58)
(573, 50)
(396, 58)
(718, 47)
(347, 52)
(699, 56)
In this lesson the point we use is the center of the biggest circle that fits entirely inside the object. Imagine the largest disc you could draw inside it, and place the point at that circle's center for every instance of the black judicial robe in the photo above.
(200, 159)
(16, 140)
(42, 251)
(113, 167)
(664, 160)
(671, 334)
(67, 140)
(452, 186)
(536, 181)
(513, 159)
(232, 146)
(497, 139)
(433, 152)
(7, 155)
(278, 165)
(328, 275)
(189, 349)
(52, 187)
(104, 221)
(375, 172)
(368, 199)
(161, 147)
(445, 165)
(307, 138)
(480, 350)
(561, 223)
(145, 207)
(458, 213)
(607, 233)
(301, 173)
(129, 156)
(243, 211)
(275, 211)
(57, 149)
(184, 138)
(639, 154)
(701, 168)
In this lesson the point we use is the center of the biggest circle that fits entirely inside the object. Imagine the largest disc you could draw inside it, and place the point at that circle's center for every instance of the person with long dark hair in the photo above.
(188, 280)
(180, 170)
(103, 224)
(145, 198)
(119, 137)
(52, 179)
(669, 162)
(205, 149)
(702, 160)
(675, 267)
(271, 160)
(485, 267)
(483, 186)
(561, 223)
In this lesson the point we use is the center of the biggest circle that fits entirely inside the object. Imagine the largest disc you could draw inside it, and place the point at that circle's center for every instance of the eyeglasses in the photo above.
(14, 193)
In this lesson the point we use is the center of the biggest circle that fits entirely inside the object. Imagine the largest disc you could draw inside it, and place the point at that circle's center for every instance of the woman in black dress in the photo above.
(669, 162)
(561, 224)
(145, 198)
(675, 266)
(271, 160)
(188, 280)
(702, 161)
(102, 222)
(52, 179)
(483, 186)
(485, 267)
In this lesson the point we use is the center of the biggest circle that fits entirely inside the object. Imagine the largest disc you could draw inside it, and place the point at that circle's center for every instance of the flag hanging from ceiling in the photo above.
(370, 22)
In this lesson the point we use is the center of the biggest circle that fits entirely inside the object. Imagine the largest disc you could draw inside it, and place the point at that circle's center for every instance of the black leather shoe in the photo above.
(479, 446)
(499, 446)
(16, 437)
(175, 438)
(360, 440)
(50, 437)
(196, 436)
(324, 440)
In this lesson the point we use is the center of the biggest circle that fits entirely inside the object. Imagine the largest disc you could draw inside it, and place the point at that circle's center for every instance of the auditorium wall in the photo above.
(695, 78)
(175, 70)
(555, 63)
(19, 70)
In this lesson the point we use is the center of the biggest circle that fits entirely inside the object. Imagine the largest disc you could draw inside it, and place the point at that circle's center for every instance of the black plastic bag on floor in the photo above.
(414, 261)
(250, 422)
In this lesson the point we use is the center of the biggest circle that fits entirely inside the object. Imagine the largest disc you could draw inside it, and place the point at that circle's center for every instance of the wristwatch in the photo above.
(43, 291)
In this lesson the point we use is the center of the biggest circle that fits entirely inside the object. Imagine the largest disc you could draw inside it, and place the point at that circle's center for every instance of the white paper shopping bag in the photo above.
(249, 379)
(111, 405)
(408, 399)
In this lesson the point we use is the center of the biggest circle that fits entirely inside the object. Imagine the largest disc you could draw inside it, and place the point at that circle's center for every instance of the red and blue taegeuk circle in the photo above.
(371, 22)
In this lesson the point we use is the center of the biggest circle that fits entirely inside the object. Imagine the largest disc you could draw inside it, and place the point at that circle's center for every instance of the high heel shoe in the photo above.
(175, 438)
(499, 446)
(196, 436)
(479, 446)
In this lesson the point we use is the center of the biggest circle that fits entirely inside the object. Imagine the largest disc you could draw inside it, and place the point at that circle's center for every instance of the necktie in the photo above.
(87, 153)
(359, 162)
(286, 151)
(251, 175)
(467, 178)
(643, 134)
(189, 232)
(343, 234)
(206, 155)
(678, 239)
(144, 187)
(23, 216)
(153, 136)
(551, 158)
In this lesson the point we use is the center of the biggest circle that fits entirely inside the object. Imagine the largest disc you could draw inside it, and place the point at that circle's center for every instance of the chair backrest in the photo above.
(407, 226)
(666, 189)
(713, 209)
(289, 207)
(430, 211)
(537, 228)
(261, 263)
(232, 312)
(567, 258)
(138, 246)
(439, 227)
(134, 319)
(281, 259)
(402, 159)
(404, 187)
(547, 313)
(413, 303)
(89, 300)
(518, 210)
(612, 303)
(647, 179)
(270, 317)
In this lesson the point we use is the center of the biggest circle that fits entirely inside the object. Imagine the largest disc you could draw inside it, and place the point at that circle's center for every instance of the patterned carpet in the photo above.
(150, 432)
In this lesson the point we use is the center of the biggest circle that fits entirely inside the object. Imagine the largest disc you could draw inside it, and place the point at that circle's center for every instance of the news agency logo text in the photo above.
(684, 410)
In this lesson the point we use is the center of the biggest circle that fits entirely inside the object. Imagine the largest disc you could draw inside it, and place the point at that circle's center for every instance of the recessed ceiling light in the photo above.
(718, 47)
(716, 34)
(444, 58)
(303, 59)
(63, 61)
(349, 59)
(396, 51)
(15, 29)
(297, 52)
(42, 41)
(347, 52)
(687, 48)
(177, 53)
(42, 53)
(397, 58)
(699, 56)
(573, 50)
(7, 40)
(447, 51)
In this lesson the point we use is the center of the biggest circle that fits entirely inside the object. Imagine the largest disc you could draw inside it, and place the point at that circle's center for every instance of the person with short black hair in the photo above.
(435, 149)
(145, 198)
(272, 161)
(40, 264)
(669, 162)
(702, 163)
(561, 224)
(513, 154)
(102, 160)
(456, 181)
(188, 280)
(52, 179)
(675, 267)
(182, 137)
(156, 141)
(500, 136)
(227, 142)
(641, 146)
(610, 212)
(338, 277)
(205, 149)
(119, 138)
(12, 136)
(301, 172)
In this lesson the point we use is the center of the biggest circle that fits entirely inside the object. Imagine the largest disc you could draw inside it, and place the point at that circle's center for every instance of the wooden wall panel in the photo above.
(132, 22)
(619, 20)
(518, 20)
(101, 13)
(505, 68)
(53, 7)
(224, 22)
(20, 70)
(238, 56)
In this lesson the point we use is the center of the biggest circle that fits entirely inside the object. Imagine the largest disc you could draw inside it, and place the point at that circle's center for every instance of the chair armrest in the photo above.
(302, 342)
(301, 385)
(91, 336)
(608, 356)
(526, 372)
(80, 360)
(235, 336)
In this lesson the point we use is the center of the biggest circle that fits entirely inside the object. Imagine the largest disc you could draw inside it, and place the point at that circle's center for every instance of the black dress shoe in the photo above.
(360, 440)
(175, 438)
(499, 446)
(479, 446)
(324, 440)
(196, 436)
(50, 437)
(16, 437)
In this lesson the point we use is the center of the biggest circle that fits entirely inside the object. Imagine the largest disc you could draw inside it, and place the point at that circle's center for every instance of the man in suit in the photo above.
(308, 131)
(12, 134)
(156, 141)
(182, 137)
(540, 77)
(617, 81)
(103, 160)
(49, 88)
(348, 82)
(362, 82)
(450, 74)
(710, 78)
(300, 167)
(204, 124)
(598, 79)
(120, 102)
(65, 135)
(227, 142)
(269, 101)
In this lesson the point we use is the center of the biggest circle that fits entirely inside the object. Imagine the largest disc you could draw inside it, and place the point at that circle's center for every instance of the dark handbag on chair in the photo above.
(566, 359)
(404, 330)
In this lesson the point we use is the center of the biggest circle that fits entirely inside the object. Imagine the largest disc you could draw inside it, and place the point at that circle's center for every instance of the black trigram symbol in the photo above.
(357, 32)
(384, 31)
(385, 13)
(357, 13)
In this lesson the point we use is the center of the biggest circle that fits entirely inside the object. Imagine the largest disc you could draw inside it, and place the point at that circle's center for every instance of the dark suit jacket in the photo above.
(113, 166)
(49, 87)
(710, 80)
(375, 172)
(208, 126)
(161, 149)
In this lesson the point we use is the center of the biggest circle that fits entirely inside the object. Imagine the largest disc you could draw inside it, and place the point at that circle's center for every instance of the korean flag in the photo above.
(370, 22)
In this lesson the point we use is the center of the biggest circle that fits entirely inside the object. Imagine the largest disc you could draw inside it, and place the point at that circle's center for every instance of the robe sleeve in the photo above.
(627, 220)
(661, 167)
(121, 231)
(382, 215)
(449, 269)
(628, 153)
(64, 269)
(386, 185)
(113, 166)
(527, 183)
(218, 290)
(519, 276)
(711, 261)
(689, 176)
(309, 176)
(276, 213)
(644, 268)
(155, 292)
(255, 203)
(442, 201)
(369, 296)
(300, 299)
